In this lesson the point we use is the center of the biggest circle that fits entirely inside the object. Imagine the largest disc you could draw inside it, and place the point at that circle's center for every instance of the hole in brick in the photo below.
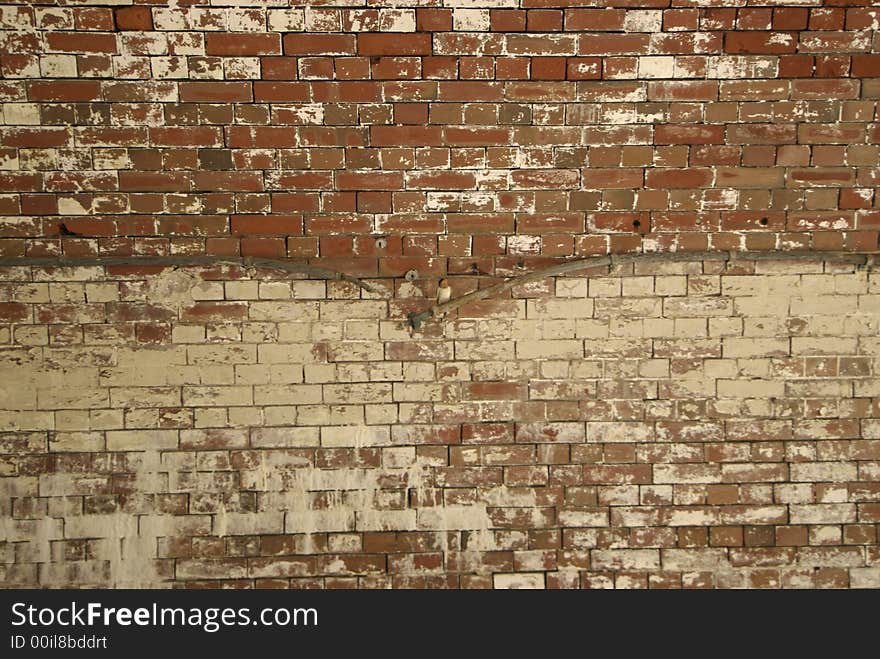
(764, 221)
(637, 223)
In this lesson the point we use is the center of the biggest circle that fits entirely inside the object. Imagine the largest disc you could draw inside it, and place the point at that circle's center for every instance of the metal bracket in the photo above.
(415, 320)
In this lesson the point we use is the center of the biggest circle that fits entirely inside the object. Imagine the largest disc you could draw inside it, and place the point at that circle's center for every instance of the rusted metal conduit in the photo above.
(415, 320)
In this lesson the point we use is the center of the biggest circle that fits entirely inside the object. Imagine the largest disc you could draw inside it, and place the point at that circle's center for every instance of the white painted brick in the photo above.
(519, 580)
(397, 20)
(470, 20)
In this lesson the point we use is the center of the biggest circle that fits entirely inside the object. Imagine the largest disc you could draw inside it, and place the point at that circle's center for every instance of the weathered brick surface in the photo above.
(689, 424)
(282, 129)
(658, 423)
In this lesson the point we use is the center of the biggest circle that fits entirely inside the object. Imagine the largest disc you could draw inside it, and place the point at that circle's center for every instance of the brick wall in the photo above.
(663, 423)
(708, 421)
(520, 129)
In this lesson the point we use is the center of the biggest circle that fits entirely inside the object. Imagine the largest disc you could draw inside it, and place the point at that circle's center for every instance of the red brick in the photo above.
(823, 89)
(211, 92)
(678, 178)
(548, 68)
(830, 133)
(507, 20)
(133, 18)
(318, 136)
(14, 312)
(278, 68)
(833, 19)
(297, 43)
(186, 136)
(754, 18)
(762, 134)
(369, 181)
(754, 90)
(374, 202)
(67, 90)
(34, 137)
(295, 201)
(494, 391)
(470, 91)
(93, 18)
(686, 44)
(433, 20)
(142, 90)
(541, 45)
(539, 223)
(265, 247)
(81, 42)
(856, 198)
(617, 474)
(411, 113)
(760, 42)
(281, 91)
(584, 68)
(681, 19)
(155, 181)
(483, 223)
(753, 220)
(790, 18)
(829, 42)
(261, 136)
(117, 136)
(196, 225)
(546, 91)
(796, 66)
(289, 225)
(475, 136)
(588, 20)
(393, 44)
(866, 66)
(550, 179)
(17, 66)
(441, 180)
(832, 66)
(598, 179)
(512, 68)
(614, 44)
(688, 134)
(233, 181)
(683, 91)
(351, 91)
(396, 68)
(544, 20)
(406, 135)
(305, 180)
(242, 43)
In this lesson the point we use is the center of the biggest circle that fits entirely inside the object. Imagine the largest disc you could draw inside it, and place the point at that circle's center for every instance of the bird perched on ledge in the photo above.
(444, 291)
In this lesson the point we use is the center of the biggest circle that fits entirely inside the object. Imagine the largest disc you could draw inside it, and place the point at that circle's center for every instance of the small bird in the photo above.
(444, 291)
